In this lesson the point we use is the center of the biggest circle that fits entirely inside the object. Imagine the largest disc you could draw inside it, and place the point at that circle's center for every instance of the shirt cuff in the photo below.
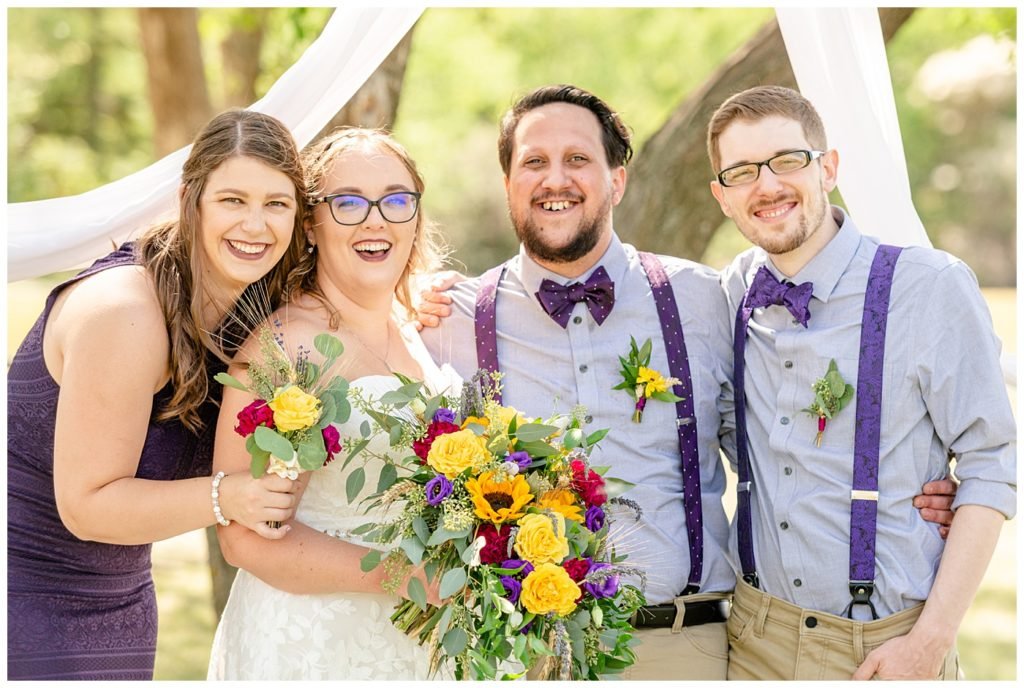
(995, 495)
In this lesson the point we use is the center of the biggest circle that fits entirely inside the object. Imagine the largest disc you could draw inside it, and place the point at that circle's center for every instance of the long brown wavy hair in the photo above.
(171, 253)
(428, 251)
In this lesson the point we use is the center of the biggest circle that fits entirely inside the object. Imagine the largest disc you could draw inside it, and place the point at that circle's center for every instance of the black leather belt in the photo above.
(664, 615)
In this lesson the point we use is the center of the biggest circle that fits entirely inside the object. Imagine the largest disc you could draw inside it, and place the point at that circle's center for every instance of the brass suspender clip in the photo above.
(861, 592)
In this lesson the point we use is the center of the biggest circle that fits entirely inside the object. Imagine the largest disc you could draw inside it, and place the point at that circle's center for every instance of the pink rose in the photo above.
(254, 415)
(331, 442)
(588, 484)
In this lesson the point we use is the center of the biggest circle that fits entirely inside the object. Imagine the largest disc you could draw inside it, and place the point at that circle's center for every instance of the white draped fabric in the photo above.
(62, 233)
(838, 58)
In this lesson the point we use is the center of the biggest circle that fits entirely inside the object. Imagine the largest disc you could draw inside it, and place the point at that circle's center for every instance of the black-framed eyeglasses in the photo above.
(353, 209)
(748, 172)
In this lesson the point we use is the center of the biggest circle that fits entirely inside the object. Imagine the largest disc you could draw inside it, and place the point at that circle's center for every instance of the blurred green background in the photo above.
(80, 115)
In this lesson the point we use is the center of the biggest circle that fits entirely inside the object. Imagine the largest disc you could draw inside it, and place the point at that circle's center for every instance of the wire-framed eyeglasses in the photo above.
(353, 209)
(748, 172)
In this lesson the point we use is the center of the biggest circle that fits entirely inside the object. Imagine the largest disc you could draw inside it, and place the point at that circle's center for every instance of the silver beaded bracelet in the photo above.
(215, 496)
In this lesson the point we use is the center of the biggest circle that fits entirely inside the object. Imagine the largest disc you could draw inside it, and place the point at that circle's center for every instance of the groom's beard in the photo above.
(588, 233)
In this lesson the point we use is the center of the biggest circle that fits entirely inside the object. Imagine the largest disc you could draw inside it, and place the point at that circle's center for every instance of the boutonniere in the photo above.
(831, 394)
(642, 382)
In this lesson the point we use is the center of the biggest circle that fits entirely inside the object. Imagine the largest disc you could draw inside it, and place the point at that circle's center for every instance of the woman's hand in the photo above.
(252, 503)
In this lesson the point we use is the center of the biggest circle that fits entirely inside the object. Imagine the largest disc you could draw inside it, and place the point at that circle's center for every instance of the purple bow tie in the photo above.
(765, 290)
(558, 300)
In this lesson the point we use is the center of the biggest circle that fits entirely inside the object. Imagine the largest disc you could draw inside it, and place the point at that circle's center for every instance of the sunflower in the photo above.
(499, 502)
(562, 501)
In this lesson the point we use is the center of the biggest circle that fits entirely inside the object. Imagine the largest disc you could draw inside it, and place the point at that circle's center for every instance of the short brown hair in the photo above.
(615, 135)
(760, 102)
(319, 158)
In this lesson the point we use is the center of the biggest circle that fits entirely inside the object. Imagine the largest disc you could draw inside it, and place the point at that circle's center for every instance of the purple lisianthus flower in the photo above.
(438, 489)
(607, 587)
(515, 564)
(513, 587)
(521, 459)
(593, 519)
(443, 415)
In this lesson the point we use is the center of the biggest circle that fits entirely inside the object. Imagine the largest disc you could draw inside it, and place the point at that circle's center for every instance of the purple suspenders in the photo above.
(679, 367)
(864, 493)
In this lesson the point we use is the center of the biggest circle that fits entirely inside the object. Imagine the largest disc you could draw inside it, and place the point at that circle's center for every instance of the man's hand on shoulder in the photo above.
(434, 303)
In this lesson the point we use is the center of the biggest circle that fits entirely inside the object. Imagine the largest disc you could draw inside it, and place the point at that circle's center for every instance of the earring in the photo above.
(311, 248)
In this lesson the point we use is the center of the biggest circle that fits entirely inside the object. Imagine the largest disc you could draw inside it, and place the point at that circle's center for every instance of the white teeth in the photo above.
(774, 213)
(556, 205)
(251, 249)
(372, 246)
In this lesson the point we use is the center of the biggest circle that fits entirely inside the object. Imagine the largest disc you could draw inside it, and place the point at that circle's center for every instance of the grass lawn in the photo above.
(987, 640)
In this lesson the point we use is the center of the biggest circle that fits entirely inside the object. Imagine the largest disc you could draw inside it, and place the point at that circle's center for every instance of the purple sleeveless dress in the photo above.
(76, 609)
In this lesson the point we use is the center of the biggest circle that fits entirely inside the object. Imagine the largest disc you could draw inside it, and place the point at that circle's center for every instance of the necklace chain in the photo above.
(387, 348)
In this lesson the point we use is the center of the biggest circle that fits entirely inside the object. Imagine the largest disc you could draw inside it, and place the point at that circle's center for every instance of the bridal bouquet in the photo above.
(509, 517)
(288, 428)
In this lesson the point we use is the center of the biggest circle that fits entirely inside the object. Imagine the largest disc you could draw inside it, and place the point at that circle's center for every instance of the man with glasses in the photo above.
(860, 369)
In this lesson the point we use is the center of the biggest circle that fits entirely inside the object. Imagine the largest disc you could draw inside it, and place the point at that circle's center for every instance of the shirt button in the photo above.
(577, 320)
(810, 622)
(787, 470)
(784, 420)
(583, 368)
(788, 364)
(784, 525)
(797, 582)
(588, 419)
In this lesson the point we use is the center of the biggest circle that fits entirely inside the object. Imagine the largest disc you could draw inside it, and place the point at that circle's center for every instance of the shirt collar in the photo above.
(530, 273)
(824, 269)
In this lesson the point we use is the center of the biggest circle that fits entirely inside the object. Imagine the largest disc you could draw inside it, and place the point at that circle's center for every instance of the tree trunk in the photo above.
(240, 56)
(177, 83)
(375, 104)
(669, 207)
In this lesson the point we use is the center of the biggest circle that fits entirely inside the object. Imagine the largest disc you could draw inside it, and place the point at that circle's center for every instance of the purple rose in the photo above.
(438, 489)
(513, 587)
(600, 587)
(515, 564)
(521, 459)
(443, 415)
(594, 518)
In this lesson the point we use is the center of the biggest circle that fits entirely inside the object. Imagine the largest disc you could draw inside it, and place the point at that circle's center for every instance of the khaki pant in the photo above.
(695, 653)
(771, 639)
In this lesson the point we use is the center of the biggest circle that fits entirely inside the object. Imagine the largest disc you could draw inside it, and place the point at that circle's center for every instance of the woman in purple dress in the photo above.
(111, 408)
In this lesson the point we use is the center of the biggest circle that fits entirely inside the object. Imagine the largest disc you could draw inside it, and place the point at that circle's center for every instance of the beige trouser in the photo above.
(771, 639)
(696, 653)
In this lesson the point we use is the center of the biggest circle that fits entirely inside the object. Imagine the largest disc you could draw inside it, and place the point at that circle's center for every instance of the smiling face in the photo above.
(781, 213)
(561, 189)
(247, 215)
(368, 259)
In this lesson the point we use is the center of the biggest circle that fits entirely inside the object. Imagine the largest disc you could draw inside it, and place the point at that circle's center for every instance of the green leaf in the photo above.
(354, 483)
(419, 526)
(370, 561)
(229, 381)
(666, 396)
(499, 445)
(270, 441)
(573, 438)
(519, 646)
(454, 641)
(616, 487)
(260, 457)
(452, 581)
(413, 549)
(537, 449)
(534, 431)
(344, 410)
(388, 477)
(433, 403)
(395, 435)
(312, 453)
(364, 428)
(645, 353)
(446, 618)
(596, 436)
(328, 345)
(328, 410)
(359, 446)
(847, 396)
(442, 535)
(395, 398)
(417, 593)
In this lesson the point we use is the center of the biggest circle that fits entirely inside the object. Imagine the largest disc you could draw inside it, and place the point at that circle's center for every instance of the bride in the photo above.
(300, 607)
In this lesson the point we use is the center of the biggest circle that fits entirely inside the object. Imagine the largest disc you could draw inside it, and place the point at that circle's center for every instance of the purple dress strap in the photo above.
(686, 417)
(864, 497)
(486, 321)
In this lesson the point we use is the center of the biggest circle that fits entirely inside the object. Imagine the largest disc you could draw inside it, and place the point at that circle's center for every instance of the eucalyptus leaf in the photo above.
(395, 398)
(573, 438)
(369, 561)
(260, 457)
(395, 435)
(328, 345)
(537, 449)
(344, 409)
(446, 618)
(270, 441)
(312, 453)
(534, 431)
(433, 403)
(229, 381)
(422, 530)
(616, 487)
(452, 581)
(413, 549)
(454, 641)
(596, 436)
(417, 593)
(442, 535)
(354, 483)
(364, 428)
(328, 410)
(359, 446)
(388, 477)
(498, 446)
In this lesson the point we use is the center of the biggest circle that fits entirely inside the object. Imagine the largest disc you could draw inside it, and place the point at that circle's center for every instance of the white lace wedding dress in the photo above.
(266, 633)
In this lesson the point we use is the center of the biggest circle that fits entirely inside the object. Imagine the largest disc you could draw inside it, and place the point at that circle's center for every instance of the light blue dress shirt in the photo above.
(549, 369)
(942, 389)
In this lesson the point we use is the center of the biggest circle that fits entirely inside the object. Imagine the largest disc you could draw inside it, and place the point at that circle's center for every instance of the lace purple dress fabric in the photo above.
(76, 609)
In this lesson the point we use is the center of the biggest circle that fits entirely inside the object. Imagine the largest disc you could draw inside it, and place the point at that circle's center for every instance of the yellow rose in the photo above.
(541, 538)
(294, 409)
(549, 588)
(453, 453)
(563, 502)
